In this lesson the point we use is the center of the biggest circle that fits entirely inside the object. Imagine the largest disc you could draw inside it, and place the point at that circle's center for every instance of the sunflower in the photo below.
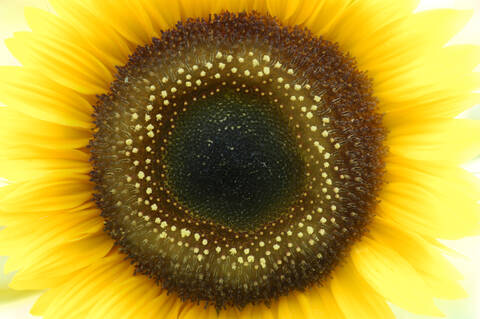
(237, 159)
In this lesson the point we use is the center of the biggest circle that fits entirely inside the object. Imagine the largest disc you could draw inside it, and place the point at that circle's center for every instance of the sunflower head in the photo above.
(252, 159)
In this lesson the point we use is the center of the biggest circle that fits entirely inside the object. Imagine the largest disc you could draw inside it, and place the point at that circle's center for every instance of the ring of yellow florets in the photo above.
(282, 89)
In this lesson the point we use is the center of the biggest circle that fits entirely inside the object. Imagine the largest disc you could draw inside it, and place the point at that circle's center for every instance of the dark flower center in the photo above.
(233, 161)
(236, 160)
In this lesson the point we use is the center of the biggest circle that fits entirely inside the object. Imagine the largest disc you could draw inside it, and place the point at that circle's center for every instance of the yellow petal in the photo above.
(61, 61)
(77, 21)
(61, 261)
(27, 91)
(354, 296)
(392, 277)
(77, 296)
(39, 235)
(21, 164)
(124, 298)
(128, 18)
(453, 140)
(48, 193)
(161, 18)
(325, 15)
(427, 259)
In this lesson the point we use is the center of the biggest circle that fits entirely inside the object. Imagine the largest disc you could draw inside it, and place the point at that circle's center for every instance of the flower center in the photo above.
(232, 160)
(236, 160)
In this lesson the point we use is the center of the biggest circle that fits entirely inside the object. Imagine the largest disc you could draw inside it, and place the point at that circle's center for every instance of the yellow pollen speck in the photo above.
(184, 232)
(234, 70)
(204, 242)
(313, 128)
(309, 115)
(310, 230)
(297, 87)
(209, 65)
(266, 70)
(280, 80)
(219, 55)
(217, 76)
(337, 146)
(317, 99)
(188, 84)
(278, 65)
(263, 262)
(325, 133)
(166, 102)
(276, 247)
(241, 60)
(221, 66)
(157, 220)
(141, 175)
(154, 207)
(128, 141)
(229, 58)
(300, 235)
(290, 71)
(197, 236)
(148, 190)
(266, 58)
(203, 73)
(247, 73)
(198, 82)
(218, 249)
(152, 88)
(233, 251)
